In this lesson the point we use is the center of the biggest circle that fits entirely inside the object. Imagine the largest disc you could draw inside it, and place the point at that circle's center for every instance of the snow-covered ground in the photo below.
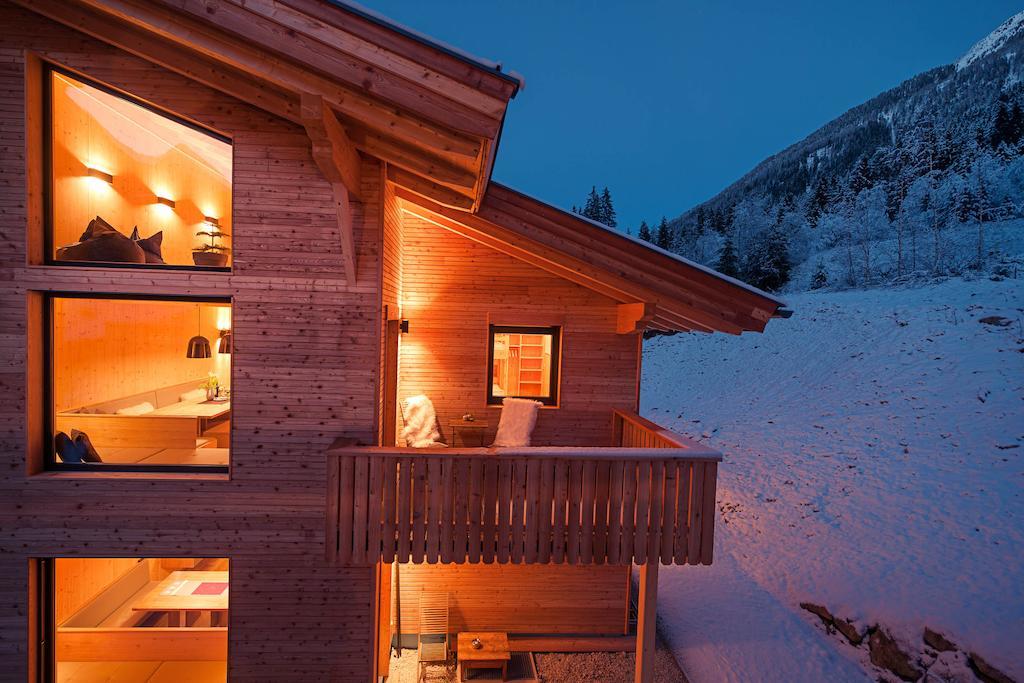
(874, 463)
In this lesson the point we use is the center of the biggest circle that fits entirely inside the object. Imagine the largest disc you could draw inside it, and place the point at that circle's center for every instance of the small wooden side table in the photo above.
(477, 426)
(494, 654)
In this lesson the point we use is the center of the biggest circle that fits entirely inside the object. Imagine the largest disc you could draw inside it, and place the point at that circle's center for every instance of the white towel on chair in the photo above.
(420, 429)
(518, 417)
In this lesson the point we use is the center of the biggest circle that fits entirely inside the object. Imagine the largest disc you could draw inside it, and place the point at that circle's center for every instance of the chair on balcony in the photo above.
(432, 646)
(420, 426)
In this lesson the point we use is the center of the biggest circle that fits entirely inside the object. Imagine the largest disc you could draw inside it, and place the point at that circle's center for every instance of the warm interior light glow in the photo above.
(165, 201)
(223, 318)
(212, 220)
(522, 365)
(100, 175)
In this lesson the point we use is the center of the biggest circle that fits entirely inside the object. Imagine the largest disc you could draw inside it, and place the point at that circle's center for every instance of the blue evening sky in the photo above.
(669, 102)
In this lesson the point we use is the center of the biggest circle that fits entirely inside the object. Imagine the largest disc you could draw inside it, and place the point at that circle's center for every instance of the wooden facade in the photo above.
(360, 198)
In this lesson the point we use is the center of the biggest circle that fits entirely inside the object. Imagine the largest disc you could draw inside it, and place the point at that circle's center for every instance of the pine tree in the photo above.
(607, 209)
(966, 205)
(728, 263)
(664, 238)
(644, 232)
(860, 179)
(592, 209)
(767, 264)
(820, 279)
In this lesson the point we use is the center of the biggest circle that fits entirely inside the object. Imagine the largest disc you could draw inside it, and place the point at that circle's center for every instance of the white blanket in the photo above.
(518, 417)
(420, 429)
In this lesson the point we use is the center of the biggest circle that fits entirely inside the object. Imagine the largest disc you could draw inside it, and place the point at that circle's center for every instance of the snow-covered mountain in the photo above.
(936, 156)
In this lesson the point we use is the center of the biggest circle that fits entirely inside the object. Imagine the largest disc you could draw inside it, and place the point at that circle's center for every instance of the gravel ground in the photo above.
(559, 667)
(607, 667)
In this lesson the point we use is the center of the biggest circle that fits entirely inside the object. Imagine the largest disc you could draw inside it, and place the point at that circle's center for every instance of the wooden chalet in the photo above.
(252, 263)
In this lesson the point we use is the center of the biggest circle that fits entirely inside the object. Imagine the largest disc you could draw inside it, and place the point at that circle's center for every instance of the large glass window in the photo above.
(133, 186)
(137, 619)
(139, 383)
(523, 363)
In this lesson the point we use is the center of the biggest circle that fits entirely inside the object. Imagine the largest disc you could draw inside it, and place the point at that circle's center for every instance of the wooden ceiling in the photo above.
(431, 114)
(658, 291)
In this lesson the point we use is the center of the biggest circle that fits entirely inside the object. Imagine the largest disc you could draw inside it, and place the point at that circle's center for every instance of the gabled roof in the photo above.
(662, 290)
(432, 114)
(358, 81)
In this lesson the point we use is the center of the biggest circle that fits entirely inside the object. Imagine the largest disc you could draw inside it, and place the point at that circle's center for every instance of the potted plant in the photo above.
(211, 254)
(211, 384)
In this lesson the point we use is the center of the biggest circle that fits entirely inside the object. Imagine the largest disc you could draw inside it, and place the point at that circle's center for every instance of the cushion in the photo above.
(518, 417)
(137, 409)
(68, 450)
(102, 242)
(89, 453)
(150, 245)
(420, 429)
(193, 396)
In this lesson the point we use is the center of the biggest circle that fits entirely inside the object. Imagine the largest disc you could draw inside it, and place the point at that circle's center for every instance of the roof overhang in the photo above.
(658, 290)
(433, 114)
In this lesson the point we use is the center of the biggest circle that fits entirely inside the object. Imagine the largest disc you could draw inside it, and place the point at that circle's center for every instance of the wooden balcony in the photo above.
(649, 497)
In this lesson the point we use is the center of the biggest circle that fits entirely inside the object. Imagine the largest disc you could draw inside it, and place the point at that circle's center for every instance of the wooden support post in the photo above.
(646, 622)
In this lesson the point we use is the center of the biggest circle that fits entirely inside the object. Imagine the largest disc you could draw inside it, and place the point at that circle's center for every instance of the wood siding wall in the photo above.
(539, 599)
(304, 374)
(452, 287)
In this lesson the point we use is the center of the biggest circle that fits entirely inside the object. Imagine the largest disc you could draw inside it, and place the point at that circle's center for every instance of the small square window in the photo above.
(523, 363)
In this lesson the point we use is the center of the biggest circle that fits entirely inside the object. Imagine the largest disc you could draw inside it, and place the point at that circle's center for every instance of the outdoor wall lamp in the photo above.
(404, 326)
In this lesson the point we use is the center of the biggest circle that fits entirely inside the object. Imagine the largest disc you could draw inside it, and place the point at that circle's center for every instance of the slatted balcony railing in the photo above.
(649, 498)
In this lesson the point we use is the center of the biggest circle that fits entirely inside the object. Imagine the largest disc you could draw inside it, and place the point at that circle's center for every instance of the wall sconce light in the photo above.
(404, 326)
(212, 221)
(226, 342)
(102, 175)
(165, 201)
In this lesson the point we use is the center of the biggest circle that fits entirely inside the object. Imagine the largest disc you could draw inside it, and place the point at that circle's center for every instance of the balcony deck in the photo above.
(650, 497)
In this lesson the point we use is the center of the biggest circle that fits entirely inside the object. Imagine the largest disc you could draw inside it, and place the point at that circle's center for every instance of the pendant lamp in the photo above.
(198, 346)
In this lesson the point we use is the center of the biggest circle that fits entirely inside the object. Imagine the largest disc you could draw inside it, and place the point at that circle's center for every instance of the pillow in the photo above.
(97, 226)
(68, 450)
(137, 409)
(102, 242)
(193, 396)
(518, 417)
(150, 246)
(83, 443)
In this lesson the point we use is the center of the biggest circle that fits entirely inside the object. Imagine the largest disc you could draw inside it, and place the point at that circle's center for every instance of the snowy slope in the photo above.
(993, 41)
(874, 464)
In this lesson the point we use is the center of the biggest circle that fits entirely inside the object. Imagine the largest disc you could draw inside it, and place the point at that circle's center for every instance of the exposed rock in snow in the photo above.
(937, 641)
(886, 654)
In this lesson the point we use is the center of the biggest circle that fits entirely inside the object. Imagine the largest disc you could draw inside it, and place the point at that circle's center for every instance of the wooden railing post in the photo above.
(646, 622)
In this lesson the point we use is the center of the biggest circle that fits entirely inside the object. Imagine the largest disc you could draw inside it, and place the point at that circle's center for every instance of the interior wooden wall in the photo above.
(80, 141)
(452, 287)
(305, 373)
(78, 580)
(531, 598)
(105, 349)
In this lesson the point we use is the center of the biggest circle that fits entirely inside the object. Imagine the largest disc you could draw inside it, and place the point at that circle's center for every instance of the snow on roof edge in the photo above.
(643, 243)
(480, 62)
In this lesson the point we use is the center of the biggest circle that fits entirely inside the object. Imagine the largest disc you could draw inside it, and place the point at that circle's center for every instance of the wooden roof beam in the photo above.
(631, 318)
(422, 186)
(204, 37)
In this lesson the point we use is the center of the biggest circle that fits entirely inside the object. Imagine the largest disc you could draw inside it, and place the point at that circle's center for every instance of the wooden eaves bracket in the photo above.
(338, 160)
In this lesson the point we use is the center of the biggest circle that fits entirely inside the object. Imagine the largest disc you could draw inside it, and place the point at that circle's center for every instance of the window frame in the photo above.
(550, 401)
(49, 251)
(42, 601)
(50, 461)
